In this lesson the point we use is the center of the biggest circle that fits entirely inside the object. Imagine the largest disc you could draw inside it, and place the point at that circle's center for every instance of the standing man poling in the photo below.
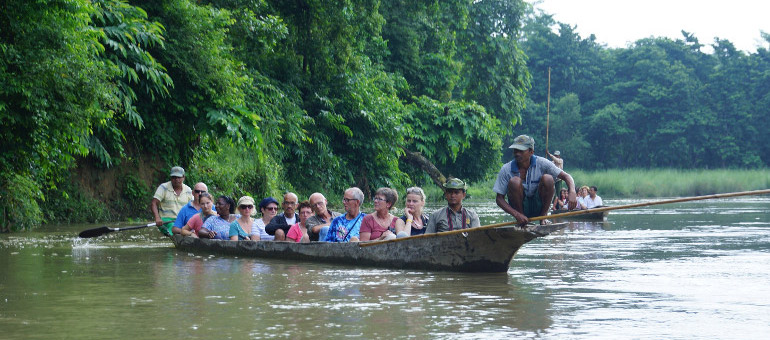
(559, 162)
(454, 216)
(169, 198)
(528, 181)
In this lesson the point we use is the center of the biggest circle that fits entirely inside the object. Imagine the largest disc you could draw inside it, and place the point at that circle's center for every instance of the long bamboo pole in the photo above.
(548, 110)
(579, 212)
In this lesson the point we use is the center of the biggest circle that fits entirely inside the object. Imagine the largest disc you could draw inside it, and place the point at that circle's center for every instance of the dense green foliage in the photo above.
(657, 103)
(253, 96)
(261, 96)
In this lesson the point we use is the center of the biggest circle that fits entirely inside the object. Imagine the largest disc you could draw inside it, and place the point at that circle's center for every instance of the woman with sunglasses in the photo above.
(243, 227)
(269, 208)
(380, 225)
(218, 227)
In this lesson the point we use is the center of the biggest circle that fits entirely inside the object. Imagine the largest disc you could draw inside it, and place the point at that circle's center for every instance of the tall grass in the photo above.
(644, 183)
(671, 182)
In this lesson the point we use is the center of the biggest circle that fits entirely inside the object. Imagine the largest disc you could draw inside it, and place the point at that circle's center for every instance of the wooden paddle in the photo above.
(579, 212)
(95, 232)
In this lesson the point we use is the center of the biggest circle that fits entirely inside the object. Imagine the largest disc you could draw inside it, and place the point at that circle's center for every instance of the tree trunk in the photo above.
(418, 160)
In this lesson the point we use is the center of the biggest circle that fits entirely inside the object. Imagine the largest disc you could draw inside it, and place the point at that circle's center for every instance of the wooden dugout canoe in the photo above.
(597, 216)
(487, 250)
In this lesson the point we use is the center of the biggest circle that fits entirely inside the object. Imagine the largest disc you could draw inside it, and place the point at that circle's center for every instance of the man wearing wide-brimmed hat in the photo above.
(454, 216)
(528, 181)
(169, 198)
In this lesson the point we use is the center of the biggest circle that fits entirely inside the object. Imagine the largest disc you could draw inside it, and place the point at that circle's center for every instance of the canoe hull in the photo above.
(589, 217)
(489, 250)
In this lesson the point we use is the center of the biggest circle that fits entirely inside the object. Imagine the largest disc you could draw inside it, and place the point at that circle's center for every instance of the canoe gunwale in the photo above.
(489, 250)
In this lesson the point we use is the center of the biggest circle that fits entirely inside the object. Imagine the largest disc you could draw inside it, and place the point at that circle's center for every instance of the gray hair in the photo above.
(391, 196)
(357, 194)
(417, 191)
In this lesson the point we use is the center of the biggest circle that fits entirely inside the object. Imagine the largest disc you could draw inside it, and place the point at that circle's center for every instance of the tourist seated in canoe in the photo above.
(380, 225)
(194, 224)
(593, 200)
(414, 221)
(218, 226)
(560, 203)
(528, 181)
(581, 202)
(454, 216)
(190, 209)
(318, 224)
(281, 223)
(243, 228)
(298, 231)
(346, 228)
(268, 207)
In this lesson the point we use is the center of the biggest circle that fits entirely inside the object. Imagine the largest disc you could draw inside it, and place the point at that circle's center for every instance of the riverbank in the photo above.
(645, 183)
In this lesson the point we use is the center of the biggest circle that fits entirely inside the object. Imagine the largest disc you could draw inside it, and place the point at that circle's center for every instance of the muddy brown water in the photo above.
(680, 271)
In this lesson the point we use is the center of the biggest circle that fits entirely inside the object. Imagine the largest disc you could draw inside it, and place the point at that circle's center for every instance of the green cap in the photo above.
(523, 143)
(455, 183)
(177, 171)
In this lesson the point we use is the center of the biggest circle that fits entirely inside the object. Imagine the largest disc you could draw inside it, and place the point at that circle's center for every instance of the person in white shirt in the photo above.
(593, 200)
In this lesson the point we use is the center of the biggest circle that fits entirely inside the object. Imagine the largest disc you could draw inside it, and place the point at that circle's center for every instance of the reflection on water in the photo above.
(672, 271)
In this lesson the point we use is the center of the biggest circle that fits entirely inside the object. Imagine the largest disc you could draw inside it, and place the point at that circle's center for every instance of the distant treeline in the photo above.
(657, 103)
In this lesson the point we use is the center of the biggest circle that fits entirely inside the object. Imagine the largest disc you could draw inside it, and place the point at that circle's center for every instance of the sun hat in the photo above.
(523, 143)
(246, 200)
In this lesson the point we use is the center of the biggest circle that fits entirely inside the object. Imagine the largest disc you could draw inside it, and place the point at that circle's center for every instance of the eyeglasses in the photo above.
(199, 191)
(271, 208)
(246, 207)
(378, 199)
(346, 200)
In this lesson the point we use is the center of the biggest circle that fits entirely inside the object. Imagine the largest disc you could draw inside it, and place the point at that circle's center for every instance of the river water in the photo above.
(679, 271)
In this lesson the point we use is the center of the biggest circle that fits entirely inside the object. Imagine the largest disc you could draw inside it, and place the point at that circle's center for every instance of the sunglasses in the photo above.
(246, 206)
(199, 191)
(270, 208)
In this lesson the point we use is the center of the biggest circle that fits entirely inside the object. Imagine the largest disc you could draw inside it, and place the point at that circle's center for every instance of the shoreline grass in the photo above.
(644, 183)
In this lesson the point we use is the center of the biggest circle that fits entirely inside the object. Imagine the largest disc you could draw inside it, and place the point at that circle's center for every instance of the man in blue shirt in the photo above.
(346, 228)
(528, 181)
(190, 209)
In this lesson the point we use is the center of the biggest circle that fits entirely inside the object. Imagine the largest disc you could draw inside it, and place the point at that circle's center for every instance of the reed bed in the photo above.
(645, 183)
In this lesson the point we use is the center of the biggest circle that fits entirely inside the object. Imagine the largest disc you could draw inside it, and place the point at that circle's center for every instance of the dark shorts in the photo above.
(532, 205)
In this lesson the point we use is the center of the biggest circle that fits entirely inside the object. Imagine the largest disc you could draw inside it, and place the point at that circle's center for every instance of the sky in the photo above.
(618, 23)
